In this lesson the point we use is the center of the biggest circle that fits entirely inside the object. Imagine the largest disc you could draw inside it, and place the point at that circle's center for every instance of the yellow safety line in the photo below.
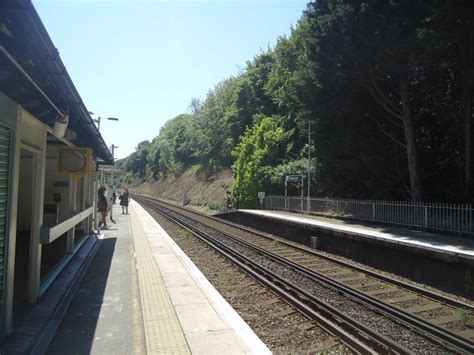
(163, 333)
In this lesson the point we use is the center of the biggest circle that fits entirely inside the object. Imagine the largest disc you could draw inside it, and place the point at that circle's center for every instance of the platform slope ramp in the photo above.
(182, 311)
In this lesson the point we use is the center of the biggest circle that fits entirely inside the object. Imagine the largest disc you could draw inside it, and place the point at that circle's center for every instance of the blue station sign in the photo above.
(294, 178)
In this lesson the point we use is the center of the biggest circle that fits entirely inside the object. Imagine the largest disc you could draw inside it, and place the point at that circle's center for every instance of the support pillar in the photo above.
(84, 199)
(72, 210)
(34, 268)
(86, 202)
(95, 187)
(91, 219)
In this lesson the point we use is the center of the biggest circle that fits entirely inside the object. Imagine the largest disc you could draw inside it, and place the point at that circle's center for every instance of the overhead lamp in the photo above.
(97, 120)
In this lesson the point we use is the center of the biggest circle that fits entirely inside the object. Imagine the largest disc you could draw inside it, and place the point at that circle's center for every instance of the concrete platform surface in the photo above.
(444, 244)
(142, 294)
(209, 324)
(104, 316)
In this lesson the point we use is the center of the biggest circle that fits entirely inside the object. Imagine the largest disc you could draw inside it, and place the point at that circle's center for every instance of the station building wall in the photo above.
(9, 150)
(29, 179)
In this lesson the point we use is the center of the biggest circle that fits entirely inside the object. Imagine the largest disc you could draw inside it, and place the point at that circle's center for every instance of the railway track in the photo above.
(413, 307)
(278, 324)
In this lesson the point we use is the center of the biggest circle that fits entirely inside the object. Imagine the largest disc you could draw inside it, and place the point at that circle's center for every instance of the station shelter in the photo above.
(49, 152)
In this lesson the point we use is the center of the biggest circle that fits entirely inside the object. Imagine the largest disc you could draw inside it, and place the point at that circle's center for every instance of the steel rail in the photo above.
(333, 320)
(434, 330)
(411, 319)
(428, 293)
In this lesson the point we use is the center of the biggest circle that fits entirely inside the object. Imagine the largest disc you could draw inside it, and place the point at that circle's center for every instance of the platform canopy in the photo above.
(33, 75)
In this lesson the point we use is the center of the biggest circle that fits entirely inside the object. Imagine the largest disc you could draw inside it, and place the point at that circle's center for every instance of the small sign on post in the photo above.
(261, 196)
(294, 178)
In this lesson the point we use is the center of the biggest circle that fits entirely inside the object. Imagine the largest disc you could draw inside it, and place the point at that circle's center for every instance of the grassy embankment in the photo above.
(205, 193)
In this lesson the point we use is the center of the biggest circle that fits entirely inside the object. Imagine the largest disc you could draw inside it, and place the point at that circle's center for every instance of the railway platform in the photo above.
(140, 294)
(154, 300)
(443, 261)
(459, 247)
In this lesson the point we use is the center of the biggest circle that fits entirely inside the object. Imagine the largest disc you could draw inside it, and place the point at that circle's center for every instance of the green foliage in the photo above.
(274, 176)
(175, 146)
(136, 162)
(211, 124)
(259, 147)
(128, 178)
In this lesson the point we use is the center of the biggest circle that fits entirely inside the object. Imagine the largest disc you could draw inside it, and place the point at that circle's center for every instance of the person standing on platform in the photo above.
(124, 199)
(102, 207)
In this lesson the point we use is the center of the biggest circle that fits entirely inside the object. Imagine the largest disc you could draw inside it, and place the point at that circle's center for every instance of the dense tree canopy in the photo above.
(386, 85)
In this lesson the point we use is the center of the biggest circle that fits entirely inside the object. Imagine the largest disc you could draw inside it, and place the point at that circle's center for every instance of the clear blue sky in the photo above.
(143, 61)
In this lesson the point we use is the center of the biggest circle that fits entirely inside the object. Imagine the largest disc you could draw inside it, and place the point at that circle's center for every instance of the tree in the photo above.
(136, 162)
(259, 147)
(377, 44)
(194, 106)
(453, 24)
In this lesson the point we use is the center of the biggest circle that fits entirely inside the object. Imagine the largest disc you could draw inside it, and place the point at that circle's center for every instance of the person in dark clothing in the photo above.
(102, 207)
(124, 199)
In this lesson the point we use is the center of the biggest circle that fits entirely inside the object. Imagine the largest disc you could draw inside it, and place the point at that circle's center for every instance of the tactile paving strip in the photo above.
(163, 332)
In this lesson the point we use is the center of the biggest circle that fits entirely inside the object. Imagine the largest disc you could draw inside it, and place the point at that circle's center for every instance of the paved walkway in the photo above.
(209, 324)
(458, 246)
(105, 314)
(142, 294)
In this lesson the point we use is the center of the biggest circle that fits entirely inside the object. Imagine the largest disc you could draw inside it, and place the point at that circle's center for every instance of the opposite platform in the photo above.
(442, 261)
(460, 247)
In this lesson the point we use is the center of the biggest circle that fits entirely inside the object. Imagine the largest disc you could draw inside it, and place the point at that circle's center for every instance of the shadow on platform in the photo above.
(75, 334)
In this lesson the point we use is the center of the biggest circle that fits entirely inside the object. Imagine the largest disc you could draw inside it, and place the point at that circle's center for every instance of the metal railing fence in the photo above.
(443, 217)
